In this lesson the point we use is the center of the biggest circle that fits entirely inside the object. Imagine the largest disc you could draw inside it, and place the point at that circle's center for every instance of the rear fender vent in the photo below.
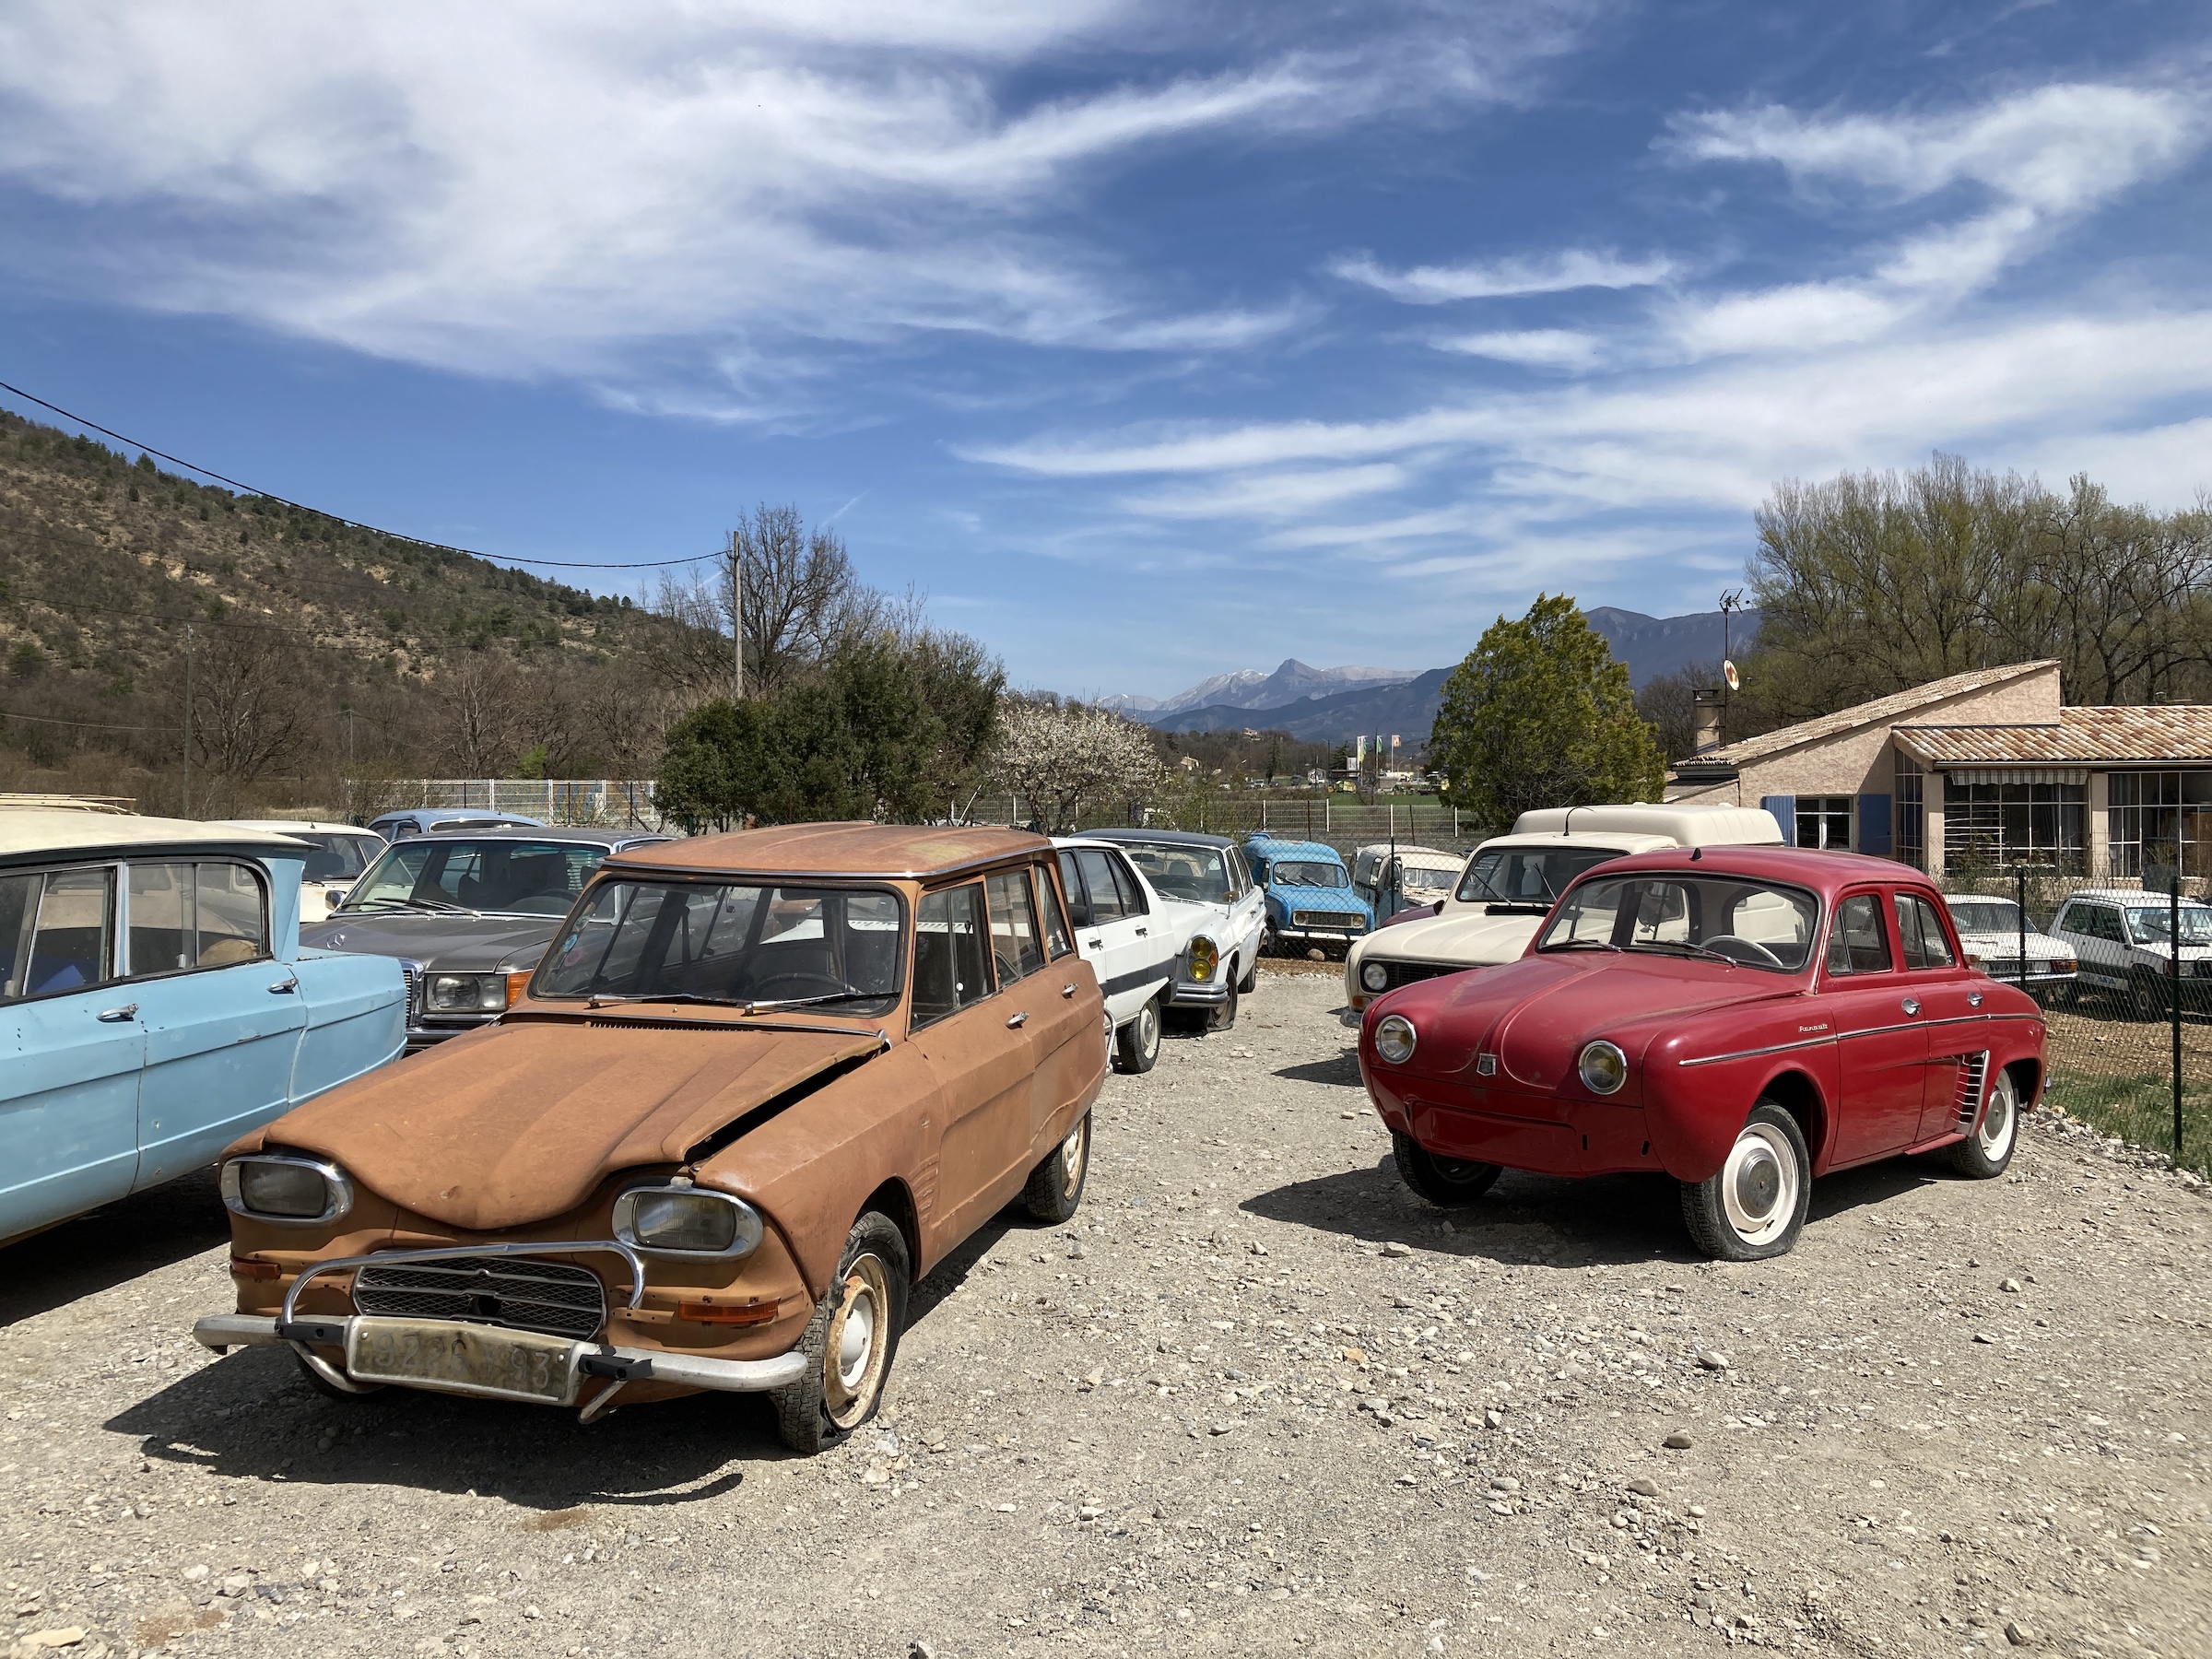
(1974, 1083)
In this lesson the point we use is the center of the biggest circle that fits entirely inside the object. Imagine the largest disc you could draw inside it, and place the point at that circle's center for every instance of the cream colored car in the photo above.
(337, 856)
(1509, 883)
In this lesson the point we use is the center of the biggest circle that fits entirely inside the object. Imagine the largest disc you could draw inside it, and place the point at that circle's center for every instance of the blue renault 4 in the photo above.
(1310, 903)
(155, 1003)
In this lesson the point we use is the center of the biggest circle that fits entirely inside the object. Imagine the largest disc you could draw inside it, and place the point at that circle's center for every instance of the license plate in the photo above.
(462, 1359)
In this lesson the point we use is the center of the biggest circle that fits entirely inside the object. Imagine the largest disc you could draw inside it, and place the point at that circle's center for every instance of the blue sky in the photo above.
(1149, 340)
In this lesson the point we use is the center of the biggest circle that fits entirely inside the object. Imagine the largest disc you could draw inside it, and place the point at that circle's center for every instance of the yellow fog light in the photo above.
(1205, 958)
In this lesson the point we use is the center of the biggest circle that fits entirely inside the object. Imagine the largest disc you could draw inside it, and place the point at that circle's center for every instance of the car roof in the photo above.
(1406, 850)
(2132, 896)
(287, 826)
(1320, 851)
(1166, 838)
(45, 833)
(886, 852)
(454, 815)
(1800, 867)
(583, 835)
(1626, 840)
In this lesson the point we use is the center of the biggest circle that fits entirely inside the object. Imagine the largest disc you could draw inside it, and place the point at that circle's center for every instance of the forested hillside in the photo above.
(316, 647)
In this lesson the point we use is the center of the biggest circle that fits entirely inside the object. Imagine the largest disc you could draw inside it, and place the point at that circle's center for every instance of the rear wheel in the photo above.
(850, 1342)
(1137, 1044)
(1983, 1154)
(1271, 942)
(1754, 1205)
(2146, 997)
(1057, 1185)
(1250, 982)
(1446, 1182)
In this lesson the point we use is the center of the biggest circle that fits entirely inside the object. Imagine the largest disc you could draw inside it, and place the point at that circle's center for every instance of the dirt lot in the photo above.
(1256, 1399)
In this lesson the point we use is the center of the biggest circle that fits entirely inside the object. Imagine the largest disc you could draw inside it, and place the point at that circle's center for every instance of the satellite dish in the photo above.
(1729, 674)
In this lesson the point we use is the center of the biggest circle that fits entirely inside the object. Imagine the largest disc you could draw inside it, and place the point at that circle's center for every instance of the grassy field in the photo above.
(2116, 1073)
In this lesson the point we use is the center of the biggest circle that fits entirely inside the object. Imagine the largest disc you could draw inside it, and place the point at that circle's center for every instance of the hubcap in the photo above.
(1998, 1120)
(1073, 1152)
(1758, 1184)
(853, 1372)
(1147, 1028)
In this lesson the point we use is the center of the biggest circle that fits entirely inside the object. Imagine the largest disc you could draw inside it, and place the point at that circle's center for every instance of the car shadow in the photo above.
(1343, 1071)
(111, 1245)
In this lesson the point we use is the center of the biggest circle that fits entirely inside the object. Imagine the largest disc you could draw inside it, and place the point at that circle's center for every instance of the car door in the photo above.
(222, 1017)
(1882, 1045)
(982, 1059)
(1950, 995)
(1068, 1039)
(1115, 941)
(1248, 912)
(2094, 930)
(72, 1047)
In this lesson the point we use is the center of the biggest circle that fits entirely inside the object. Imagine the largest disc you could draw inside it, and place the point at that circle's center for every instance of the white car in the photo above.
(1509, 883)
(2122, 939)
(1132, 938)
(1206, 871)
(1991, 929)
(340, 856)
(1420, 878)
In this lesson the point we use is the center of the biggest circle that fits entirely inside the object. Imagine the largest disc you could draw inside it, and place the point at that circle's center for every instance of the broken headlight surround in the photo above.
(285, 1189)
(691, 1223)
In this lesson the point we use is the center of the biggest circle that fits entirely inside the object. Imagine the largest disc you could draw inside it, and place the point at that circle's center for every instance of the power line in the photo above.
(94, 725)
(208, 472)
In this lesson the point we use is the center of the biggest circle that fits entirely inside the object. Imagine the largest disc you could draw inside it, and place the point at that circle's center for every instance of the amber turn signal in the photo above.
(518, 983)
(720, 1313)
(241, 1269)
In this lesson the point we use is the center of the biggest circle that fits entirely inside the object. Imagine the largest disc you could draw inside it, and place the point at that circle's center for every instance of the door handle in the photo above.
(1094, 944)
(284, 987)
(1974, 999)
(1021, 1019)
(117, 1016)
(1911, 1005)
(1068, 988)
(1143, 932)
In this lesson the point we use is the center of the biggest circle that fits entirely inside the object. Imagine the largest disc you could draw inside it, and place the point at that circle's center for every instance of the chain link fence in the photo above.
(603, 803)
(2130, 1016)
(1335, 820)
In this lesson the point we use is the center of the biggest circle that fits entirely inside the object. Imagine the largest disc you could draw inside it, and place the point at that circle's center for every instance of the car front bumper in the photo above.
(1190, 994)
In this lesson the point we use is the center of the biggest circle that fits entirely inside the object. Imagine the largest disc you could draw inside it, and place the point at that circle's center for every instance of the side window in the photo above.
(2068, 921)
(1056, 942)
(1922, 932)
(1133, 902)
(67, 933)
(1014, 951)
(1078, 901)
(195, 915)
(1099, 884)
(1858, 943)
(950, 971)
(1238, 871)
(1259, 873)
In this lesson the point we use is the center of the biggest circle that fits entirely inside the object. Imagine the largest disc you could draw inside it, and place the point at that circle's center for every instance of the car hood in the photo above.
(1537, 1014)
(521, 1122)
(1465, 933)
(2008, 944)
(453, 943)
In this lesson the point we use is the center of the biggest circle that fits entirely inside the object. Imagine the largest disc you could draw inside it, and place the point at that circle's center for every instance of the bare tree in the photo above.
(253, 701)
(479, 724)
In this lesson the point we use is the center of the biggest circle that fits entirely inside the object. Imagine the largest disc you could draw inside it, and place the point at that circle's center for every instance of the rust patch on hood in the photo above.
(522, 1122)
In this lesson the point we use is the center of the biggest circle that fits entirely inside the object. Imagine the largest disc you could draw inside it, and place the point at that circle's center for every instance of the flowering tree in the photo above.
(1056, 756)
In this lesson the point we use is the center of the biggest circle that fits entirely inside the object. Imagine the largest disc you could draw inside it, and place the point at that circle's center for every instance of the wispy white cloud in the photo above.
(1554, 274)
(1536, 348)
(1270, 495)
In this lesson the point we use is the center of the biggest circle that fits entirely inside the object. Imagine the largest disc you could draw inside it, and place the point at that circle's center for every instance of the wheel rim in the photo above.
(1758, 1184)
(852, 1367)
(1458, 1171)
(1075, 1153)
(1147, 1029)
(1999, 1119)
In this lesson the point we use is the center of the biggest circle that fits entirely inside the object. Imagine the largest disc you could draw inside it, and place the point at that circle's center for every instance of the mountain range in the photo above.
(1326, 704)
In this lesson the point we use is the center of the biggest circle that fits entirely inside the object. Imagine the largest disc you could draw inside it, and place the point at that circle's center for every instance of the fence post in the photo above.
(2173, 974)
(2020, 877)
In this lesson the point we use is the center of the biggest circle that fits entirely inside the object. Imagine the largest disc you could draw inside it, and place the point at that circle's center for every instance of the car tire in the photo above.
(1985, 1153)
(1223, 1016)
(1753, 1207)
(1250, 982)
(1056, 1185)
(850, 1341)
(324, 1386)
(1137, 1044)
(1447, 1182)
(2146, 997)
(1271, 942)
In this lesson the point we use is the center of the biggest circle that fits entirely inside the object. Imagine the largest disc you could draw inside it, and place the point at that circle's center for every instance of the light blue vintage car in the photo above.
(155, 1003)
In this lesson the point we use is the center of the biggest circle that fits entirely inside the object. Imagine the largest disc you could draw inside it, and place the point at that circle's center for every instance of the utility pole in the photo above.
(187, 720)
(737, 620)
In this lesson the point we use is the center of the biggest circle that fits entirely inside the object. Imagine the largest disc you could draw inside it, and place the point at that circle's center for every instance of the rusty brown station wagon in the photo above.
(759, 1084)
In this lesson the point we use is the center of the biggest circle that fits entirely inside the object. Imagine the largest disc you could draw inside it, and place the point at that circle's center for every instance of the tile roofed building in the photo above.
(2158, 734)
(1882, 710)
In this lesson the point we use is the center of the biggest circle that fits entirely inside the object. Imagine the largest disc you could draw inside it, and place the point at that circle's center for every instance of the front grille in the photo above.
(1325, 919)
(1406, 974)
(518, 1292)
(413, 970)
(1973, 1071)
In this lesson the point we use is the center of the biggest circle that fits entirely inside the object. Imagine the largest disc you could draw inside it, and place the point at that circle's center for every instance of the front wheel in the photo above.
(850, 1342)
(1057, 1185)
(1984, 1153)
(1223, 1016)
(1754, 1207)
(1447, 1183)
(1137, 1044)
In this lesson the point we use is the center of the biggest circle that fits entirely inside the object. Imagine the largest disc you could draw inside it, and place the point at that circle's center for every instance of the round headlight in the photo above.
(1375, 977)
(285, 1189)
(1395, 1039)
(687, 1222)
(1604, 1068)
(1205, 958)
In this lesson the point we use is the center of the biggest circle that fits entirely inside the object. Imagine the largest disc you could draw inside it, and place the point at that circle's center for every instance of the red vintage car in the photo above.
(1742, 1018)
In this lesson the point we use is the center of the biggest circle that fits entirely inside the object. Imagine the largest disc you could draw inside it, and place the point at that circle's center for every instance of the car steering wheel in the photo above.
(1737, 949)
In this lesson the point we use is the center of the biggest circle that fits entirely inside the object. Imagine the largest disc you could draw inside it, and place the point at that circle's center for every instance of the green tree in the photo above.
(1539, 714)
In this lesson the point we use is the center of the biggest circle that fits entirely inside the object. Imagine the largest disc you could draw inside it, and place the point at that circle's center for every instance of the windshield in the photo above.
(2152, 926)
(1184, 872)
(1294, 873)
(1529, 875)
(1425, 881)
(1986, 915)
(464, 873)
(337, 857)
(1754, 924)
(745, 945)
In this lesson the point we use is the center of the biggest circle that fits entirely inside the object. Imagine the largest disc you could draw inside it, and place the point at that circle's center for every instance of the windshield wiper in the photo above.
(430, 906)
(1682, 945)
(603, 999)
(1580, 945)
(814, 1001)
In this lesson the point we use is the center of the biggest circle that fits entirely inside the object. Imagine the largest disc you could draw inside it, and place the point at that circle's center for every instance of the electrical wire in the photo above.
(208, 472)
(92, 725)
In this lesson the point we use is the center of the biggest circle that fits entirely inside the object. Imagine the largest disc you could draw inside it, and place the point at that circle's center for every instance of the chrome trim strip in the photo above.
(540, 1247)
(1902, 1025)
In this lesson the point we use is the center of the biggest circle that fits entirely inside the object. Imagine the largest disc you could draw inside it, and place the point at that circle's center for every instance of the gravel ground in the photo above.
(1255, 1399)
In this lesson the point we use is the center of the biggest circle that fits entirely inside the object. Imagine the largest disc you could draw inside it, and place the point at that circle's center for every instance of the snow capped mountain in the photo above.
(1292, 682)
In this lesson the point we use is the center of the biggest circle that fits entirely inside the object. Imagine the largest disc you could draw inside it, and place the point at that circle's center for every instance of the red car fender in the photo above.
(1695, 1111)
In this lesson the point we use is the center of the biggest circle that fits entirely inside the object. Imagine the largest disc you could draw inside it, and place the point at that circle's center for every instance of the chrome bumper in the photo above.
(222, 1331)
(1189, 994)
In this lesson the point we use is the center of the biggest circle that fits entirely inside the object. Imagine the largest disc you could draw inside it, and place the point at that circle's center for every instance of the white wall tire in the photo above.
(1137, 1044)
(1754, 1205)
(1986, 1152)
